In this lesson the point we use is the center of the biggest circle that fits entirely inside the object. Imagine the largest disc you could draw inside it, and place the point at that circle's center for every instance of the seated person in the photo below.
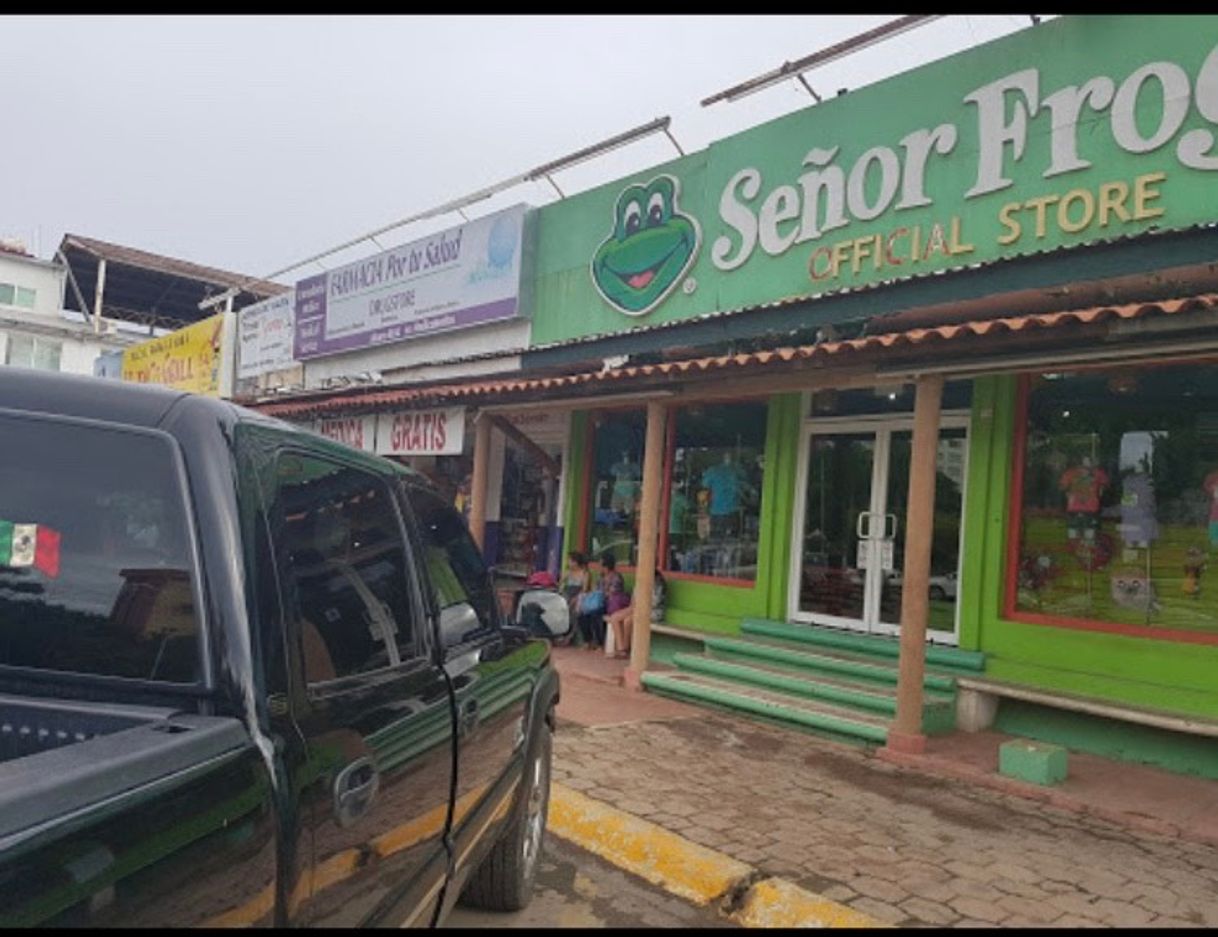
(622, 620)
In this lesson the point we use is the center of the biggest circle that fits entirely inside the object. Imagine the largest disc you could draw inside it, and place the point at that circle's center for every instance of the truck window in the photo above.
(95, 556)
(458, 577)
(341, 538)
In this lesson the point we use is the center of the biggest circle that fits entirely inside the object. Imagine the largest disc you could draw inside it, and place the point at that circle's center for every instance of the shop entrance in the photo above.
(849, 545)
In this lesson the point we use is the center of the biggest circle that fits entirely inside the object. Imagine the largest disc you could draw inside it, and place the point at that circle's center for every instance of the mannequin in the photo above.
(1083, 484)
(724, 482)
(626, 483)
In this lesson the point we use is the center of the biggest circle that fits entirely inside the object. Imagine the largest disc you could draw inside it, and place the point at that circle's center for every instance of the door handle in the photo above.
(468, 720)
(858, 525)
(893, 535)
(355, 788)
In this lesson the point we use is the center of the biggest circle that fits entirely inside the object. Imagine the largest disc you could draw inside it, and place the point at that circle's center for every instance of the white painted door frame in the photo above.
(881, 426)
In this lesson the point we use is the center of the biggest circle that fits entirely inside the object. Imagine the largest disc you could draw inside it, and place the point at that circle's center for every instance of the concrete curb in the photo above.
(689, 870)
(937, 767)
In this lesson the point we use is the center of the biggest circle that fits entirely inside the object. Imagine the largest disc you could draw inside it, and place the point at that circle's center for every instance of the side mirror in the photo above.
(457, 623)
(544, 613)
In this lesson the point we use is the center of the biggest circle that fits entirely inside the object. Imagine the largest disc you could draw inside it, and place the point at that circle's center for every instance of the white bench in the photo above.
(977, 704)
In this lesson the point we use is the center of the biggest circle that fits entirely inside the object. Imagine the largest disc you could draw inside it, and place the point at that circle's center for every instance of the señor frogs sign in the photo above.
(1082, 129)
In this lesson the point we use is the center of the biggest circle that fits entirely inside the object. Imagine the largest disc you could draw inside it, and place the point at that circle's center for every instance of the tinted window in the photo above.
(95, 571)
(342, 542)
(459, 580)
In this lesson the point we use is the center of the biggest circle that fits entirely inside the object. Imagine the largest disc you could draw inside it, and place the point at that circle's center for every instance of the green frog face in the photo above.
(650, 248)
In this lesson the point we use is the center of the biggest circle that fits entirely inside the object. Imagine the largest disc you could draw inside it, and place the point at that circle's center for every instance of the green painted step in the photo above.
(875, 645)
(768, 705)
(826, 663)
(938, 713)
(882, 680)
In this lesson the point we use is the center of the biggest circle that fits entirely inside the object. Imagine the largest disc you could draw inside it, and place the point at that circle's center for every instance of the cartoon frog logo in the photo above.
(649, 250)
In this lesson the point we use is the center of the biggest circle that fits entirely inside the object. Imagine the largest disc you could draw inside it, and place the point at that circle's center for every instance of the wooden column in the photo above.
(477, 495)
(649, 526)
(906, 731)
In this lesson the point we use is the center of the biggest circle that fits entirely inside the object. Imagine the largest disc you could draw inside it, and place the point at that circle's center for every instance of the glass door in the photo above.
(850, 518)
(837, 505)
(950, 465)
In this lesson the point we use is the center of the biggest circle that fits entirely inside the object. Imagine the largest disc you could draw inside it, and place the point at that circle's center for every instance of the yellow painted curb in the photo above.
(687, 869)
(649, 851)
(778, 903)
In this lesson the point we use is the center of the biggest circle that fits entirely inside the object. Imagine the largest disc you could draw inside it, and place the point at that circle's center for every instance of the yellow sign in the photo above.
(189, 359)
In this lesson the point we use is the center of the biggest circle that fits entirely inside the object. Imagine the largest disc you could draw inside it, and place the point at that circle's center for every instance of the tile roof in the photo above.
(316, 404)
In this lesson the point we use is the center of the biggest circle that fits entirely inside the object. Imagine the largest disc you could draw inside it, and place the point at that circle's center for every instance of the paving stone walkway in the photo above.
(902, 846)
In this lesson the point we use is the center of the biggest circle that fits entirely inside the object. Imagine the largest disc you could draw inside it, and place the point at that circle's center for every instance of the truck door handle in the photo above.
(469, 716)
(355, 787)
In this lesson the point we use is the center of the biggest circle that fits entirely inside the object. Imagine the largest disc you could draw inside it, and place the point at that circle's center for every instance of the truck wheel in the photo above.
(504, 880)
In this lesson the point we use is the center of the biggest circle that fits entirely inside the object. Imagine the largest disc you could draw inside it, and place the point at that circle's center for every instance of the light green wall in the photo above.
(1162, 674)
(705, 606)
(575, 483)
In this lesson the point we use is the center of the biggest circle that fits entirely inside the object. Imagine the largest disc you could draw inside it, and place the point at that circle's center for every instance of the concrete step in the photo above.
(948, 659)
(841, 664)
(815, 715)
(938, 710)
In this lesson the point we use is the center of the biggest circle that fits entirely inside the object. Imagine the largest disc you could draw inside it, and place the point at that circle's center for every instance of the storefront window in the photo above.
(714, 499)
(527, 511)
(617, 484)
(1118, 503)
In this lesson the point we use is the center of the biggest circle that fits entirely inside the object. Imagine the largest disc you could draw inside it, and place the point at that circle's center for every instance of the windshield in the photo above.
(95, 574)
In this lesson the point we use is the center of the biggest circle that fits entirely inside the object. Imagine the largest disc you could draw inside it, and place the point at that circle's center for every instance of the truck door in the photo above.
(493, 673)
(371, 702)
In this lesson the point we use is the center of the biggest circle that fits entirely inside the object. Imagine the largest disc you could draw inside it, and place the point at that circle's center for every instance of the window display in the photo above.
(617, 483)
(711, 505)
(714, 499)
(526, 507)
(1117, 498)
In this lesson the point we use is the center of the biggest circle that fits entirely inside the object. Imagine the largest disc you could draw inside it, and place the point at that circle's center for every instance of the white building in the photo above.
(35, 329)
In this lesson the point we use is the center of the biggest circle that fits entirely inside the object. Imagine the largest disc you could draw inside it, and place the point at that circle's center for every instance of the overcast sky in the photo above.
(248, 143)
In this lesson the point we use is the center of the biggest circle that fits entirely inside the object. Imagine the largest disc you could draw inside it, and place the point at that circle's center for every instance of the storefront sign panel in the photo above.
(1082, 129)
(421, 432)
(358, 432)
(264, 336)
(465, 276)
(190, 359)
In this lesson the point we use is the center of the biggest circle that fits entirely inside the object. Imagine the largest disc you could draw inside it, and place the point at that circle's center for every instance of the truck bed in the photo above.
(60, 758)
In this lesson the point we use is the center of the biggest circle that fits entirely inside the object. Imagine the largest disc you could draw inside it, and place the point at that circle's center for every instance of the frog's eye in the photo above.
(633, 217)
(655, 209)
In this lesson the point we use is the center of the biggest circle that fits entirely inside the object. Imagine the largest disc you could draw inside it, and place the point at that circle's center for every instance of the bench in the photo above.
(977, 704)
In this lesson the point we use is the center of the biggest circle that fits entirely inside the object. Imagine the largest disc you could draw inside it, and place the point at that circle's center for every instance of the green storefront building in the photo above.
(1030, 220)
(912, 397)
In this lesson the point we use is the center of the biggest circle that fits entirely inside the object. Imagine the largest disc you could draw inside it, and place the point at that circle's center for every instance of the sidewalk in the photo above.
(907, 846)
(1140, 796)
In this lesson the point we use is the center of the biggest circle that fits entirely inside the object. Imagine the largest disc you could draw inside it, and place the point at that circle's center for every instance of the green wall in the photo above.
(575, 484)
(1138, 671)
(705, 606)
(1161, 674)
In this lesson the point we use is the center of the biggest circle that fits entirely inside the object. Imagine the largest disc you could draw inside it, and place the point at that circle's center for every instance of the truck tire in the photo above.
(504, 880)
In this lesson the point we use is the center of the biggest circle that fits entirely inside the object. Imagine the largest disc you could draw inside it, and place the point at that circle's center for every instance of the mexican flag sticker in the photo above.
(35, 545)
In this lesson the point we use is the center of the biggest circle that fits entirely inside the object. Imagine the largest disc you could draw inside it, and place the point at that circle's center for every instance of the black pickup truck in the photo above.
(250, 676)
